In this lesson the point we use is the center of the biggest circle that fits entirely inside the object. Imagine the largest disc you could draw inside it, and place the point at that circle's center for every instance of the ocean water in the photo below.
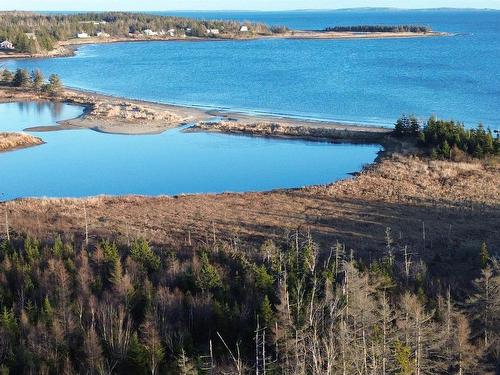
(76, 163)
(357, 81)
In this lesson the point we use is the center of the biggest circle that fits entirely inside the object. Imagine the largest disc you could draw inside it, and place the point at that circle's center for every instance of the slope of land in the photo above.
(454, 204)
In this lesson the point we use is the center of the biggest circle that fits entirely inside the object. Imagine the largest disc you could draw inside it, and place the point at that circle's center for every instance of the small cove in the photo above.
(79, 163)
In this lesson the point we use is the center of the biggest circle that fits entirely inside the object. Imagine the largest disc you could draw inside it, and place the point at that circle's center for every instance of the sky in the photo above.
(236, 4)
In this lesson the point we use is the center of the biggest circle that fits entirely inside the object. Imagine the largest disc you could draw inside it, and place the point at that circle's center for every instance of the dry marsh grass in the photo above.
(11, 141)
(457, 203)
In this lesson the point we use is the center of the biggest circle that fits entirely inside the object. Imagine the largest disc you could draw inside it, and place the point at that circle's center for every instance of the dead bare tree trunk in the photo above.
(7, 225)
(86, 226)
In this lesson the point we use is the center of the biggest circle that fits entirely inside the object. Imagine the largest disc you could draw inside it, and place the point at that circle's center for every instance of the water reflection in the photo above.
(20, 115)
(86, 163)
(54, 108)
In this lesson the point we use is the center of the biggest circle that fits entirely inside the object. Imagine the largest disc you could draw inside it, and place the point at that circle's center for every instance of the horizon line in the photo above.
(252, 10)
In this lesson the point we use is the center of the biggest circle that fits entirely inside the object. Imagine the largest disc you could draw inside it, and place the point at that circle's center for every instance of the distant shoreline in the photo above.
(68, 47)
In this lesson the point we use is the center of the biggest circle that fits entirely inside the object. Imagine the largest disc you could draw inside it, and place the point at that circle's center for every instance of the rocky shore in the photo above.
(299, 129)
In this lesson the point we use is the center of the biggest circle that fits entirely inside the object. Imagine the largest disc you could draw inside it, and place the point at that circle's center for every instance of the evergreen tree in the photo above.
(55, 85)
(484, 256)
(37, 78)
(21, 78)
(142, 253)
(208, 276)
(7, 76)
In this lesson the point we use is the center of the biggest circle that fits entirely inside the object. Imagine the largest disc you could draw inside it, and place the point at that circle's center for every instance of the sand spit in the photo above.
(68, 47)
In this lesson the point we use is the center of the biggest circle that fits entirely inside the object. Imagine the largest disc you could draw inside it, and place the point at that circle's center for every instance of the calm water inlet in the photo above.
(76, 163)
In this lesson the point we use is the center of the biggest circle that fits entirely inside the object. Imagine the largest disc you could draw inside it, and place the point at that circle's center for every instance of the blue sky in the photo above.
(236, 5)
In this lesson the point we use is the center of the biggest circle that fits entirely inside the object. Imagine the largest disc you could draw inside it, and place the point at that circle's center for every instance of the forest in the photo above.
(382, 29)
(20, 27)
(102, 306)
(449, 139)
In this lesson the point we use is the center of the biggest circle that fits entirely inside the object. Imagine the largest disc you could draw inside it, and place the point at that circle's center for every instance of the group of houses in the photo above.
(100, 34)
(151, 33)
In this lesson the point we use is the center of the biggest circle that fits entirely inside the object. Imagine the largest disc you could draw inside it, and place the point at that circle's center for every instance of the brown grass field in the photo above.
(455, 204)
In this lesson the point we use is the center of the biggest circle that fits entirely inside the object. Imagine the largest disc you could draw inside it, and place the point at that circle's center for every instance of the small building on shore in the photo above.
(102, 34)
(150, 32)
(6, 45)
(244, 29)
(213, 31)
(82, 35)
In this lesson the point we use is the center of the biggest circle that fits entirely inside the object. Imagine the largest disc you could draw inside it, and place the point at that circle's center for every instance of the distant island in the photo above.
(382, 29)
(27, 34)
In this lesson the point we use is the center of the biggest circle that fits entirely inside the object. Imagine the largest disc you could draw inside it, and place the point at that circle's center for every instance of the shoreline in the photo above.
(68, 48)
(108, 114)
(398, 192)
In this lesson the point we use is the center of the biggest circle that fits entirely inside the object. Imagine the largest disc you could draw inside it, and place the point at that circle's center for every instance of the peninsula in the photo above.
(26, 34)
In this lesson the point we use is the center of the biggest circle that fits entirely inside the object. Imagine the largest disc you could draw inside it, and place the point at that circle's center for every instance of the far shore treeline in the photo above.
(382, 29)
(32, 33)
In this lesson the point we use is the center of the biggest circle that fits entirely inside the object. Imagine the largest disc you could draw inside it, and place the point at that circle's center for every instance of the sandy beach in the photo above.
(109, 114)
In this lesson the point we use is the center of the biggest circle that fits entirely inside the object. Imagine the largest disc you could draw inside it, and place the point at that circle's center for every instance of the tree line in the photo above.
(449, 139)
(381, 29)
(34, 80)
(49, 29)
(118, 307)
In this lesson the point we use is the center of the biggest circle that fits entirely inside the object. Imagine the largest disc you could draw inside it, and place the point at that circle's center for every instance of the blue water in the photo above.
(75, 163)
(359, 81)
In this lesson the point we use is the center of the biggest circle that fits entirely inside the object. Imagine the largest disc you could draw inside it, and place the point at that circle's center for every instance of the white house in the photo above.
(171, 32)
(244, 29)
(102, 34)
(6, 45)
(82, 35)
(149, 32)
(213, 31)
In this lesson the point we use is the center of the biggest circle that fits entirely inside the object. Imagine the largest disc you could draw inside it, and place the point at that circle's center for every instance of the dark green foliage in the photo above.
(141, 252)
(37, 79)
(55, 85)
(112, 263)
(21, 78)
(381, 29)
(449, 139)
(407, 126)
(208, 277)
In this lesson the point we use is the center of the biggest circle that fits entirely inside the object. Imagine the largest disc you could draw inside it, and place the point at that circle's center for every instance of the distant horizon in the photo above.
(253, 6)
(254, 10)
